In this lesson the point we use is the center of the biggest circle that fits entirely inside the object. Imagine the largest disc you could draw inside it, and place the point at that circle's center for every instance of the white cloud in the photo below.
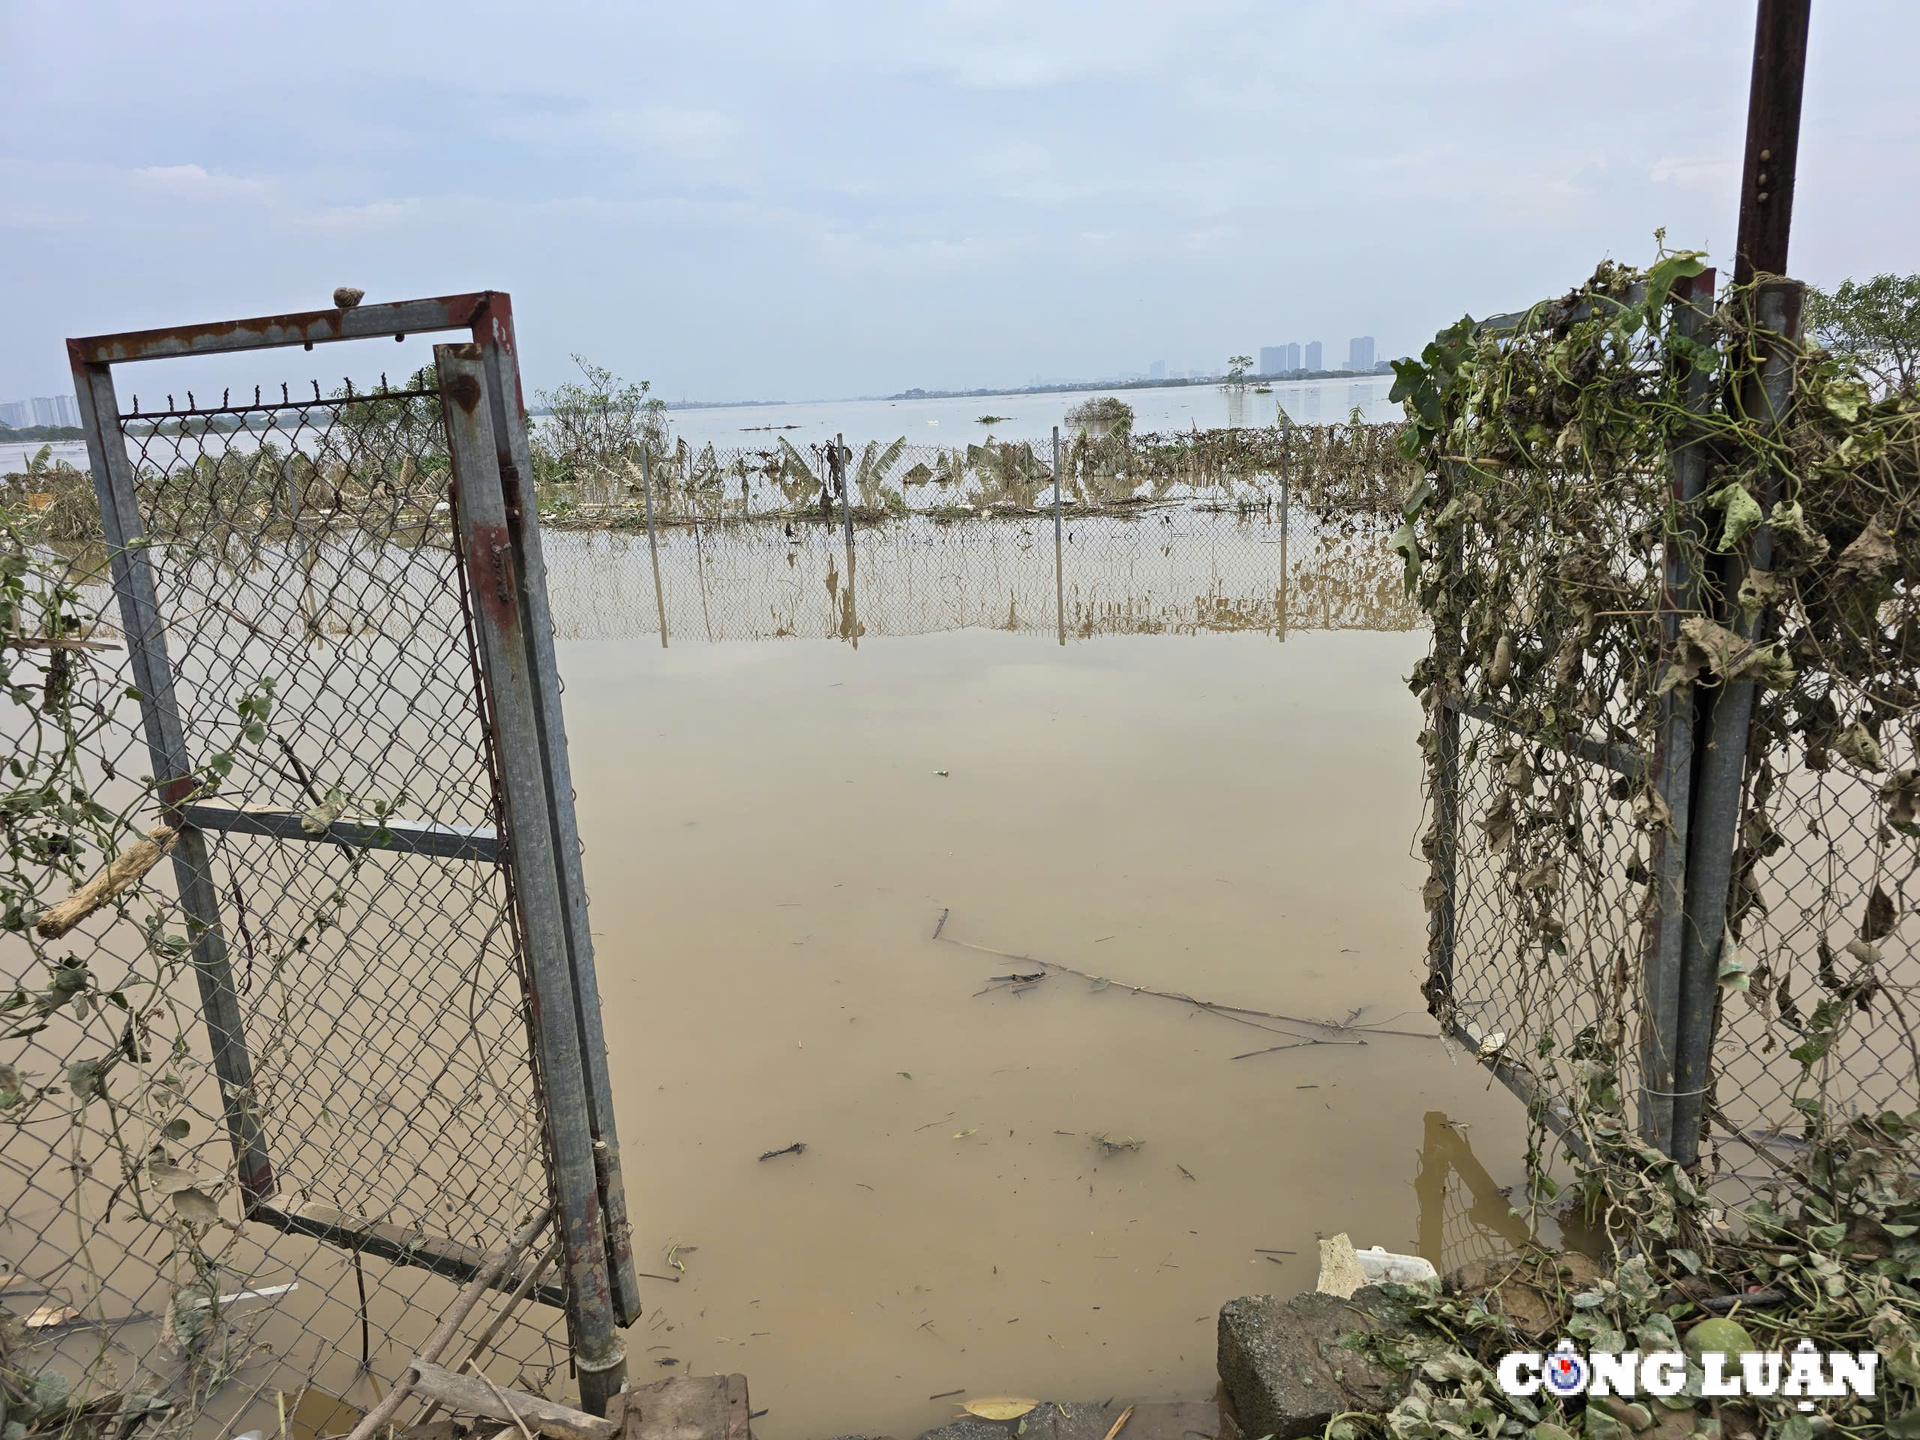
(1715, 174)
(39, 220)
(194, 182)
(375, 215)
(668, 129)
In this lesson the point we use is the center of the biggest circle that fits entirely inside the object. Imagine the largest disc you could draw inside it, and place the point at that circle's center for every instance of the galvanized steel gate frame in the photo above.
(497, 535)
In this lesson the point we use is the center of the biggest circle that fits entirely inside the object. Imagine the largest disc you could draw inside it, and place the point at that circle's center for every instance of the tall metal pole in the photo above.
(653, 543)
(1773, 138)
(1670, 769)
(1720, 736)
(1720, 749)
(1059, 576)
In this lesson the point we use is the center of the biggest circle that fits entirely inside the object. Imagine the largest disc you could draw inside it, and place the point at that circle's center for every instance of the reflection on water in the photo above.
(1464, 1213)
(1172, 571)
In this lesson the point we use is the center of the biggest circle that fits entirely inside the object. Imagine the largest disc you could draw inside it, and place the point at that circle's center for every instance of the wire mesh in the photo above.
(311, 605)
(1171, 570)
(1344, 468)
(1542, 883)
(1604, 615)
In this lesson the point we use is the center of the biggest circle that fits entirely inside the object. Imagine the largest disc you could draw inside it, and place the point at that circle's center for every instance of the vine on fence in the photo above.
(1536, 538)
(100, 955)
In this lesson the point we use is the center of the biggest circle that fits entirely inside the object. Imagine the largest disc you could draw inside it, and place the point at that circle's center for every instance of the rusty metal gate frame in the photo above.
(497, 538)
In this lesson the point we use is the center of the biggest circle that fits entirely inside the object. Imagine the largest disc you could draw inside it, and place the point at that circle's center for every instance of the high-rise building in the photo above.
(16, 413)
(1292, 361)
(55, 410)
(1313, 355)
(1360, 353)
(1157, 370)
(1273, 359)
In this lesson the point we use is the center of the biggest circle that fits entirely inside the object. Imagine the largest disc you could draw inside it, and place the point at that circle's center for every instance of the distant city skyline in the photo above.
(40, 410)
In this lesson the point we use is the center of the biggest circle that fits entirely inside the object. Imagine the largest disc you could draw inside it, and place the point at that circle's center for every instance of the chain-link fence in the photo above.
(271, 1109)
(1175, 570)
(1344, 468)
(1672, 774)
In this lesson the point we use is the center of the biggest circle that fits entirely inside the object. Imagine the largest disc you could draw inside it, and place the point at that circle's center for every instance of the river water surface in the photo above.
(774, 831)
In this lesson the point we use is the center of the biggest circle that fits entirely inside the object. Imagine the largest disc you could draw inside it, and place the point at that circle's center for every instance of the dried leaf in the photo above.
(1498, 822)
(1902, 794)
(1757, 591)
(1743, 513)
(1001, 1408)
(1858, 748)
(1868, 558)
(172, 1179)
(195, 1207)
(964, 1133)
(1501, 670)
(1730, 657)
(316, 820)
(1519, 775)
(1544, 876)
(1880, 917)
(1651, 810)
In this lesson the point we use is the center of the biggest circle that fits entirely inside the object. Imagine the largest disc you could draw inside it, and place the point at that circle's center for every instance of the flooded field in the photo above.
(885, 877)
(774, 831)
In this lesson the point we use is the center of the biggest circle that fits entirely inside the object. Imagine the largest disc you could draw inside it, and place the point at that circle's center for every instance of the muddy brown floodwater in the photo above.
(772, 832)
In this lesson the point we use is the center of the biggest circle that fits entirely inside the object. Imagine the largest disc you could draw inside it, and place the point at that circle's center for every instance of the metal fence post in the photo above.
(1286, 508)
(493, 329)
(508, 658)
(1059, 573)
(1670, 768)
(172, 771)
(653, 543)
(1444, 708)
(850, 607)
(1720, 765)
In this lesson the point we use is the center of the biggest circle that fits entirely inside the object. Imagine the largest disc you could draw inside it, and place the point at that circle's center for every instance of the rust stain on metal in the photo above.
(493, 324)
(259, 1184)
(306, 326)
(509, 482)
(490, 558)
(464, 391)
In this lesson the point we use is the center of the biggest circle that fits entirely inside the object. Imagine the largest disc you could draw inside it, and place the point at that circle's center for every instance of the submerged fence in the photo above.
(1175, 570)
(1345, 468)
(1669, 556)
(277, 1109)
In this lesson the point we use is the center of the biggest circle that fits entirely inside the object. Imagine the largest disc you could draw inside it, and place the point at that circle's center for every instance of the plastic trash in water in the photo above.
(1384, 1267)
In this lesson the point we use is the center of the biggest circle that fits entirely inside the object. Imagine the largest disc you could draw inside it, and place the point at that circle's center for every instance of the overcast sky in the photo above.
(808, 200)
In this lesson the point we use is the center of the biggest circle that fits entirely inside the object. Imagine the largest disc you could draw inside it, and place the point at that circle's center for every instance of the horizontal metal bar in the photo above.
(309, 327)
(270, 407)
(402, 1246)
(1520, 1081)
(409, 837)
(1535, 317)
(1616, 758)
